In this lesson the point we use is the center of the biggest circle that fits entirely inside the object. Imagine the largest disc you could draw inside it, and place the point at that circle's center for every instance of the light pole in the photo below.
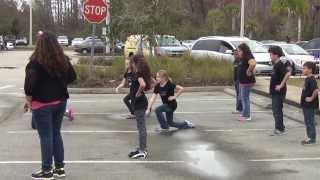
(30, 25)
(242, 18)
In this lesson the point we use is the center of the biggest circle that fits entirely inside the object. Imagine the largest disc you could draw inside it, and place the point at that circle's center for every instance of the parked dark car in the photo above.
(85, 47)
(313, 47)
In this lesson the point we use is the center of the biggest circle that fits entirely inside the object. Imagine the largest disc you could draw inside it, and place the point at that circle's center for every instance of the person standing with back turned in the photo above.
(48, 74)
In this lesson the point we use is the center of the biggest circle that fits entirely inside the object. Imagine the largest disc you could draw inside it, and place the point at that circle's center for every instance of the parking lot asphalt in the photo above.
(220, 147)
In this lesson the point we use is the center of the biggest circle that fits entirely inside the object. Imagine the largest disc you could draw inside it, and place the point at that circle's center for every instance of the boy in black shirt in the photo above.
(278, 87)
(166, 89)
(309, 102)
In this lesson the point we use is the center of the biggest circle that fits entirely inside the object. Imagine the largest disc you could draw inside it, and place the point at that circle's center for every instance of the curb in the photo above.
(126, 90)
(287, 101)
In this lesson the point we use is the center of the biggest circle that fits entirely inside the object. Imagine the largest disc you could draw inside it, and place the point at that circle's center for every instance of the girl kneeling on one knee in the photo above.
(166, 89)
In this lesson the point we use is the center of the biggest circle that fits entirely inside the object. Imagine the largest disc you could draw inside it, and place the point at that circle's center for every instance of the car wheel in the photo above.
(84, 51)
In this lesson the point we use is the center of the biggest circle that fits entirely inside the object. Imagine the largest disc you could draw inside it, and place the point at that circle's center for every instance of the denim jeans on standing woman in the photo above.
(245, 100)
(238, 98)
(48, 122)
(168, 122)
(309, 120)
(277, 109)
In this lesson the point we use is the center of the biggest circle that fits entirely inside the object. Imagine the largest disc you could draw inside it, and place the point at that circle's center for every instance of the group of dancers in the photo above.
(139, 79)
(49, 72)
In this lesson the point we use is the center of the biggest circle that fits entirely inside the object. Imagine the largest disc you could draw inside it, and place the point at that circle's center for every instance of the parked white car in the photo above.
(10, 45)
(222, 47)
(294, 53)
(63, 40)
(76, 41)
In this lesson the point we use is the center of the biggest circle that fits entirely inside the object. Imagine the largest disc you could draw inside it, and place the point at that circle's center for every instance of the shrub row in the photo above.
(185, 70)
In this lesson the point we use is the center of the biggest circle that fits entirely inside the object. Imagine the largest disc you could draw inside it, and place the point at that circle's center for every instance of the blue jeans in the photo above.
(277, 106)
(245, 100)
(308, 114)
(238, 98)
(48, 122)
(168, 122)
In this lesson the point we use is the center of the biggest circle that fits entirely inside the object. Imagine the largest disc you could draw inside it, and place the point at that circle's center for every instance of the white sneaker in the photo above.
(160, 130)
(248, 119)
(236, 112)
(190, 125)
(140, 155)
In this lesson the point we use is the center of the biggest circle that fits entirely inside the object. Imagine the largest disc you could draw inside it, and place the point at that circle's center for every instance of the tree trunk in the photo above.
(316, 21)
(288, 24)
(233, 24)
(299, 28)
(250, 35)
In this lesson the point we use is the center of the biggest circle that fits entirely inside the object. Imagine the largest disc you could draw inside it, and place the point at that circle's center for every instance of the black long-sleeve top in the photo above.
(45, 88)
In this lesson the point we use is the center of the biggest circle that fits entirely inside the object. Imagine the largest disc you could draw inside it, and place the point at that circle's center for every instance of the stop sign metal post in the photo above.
(95, 12)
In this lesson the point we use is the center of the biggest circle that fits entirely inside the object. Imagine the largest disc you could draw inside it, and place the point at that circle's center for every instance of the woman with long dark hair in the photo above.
(48, 74)
(140, 84)
(246, 79)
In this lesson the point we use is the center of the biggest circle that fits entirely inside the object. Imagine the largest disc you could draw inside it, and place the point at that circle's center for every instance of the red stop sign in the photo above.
(95, 11)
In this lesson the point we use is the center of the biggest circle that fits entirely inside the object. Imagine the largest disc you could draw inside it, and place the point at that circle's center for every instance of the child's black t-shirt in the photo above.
(278, 73)
(129, 77)
(140, 102)
(310, 84)
(165, 92)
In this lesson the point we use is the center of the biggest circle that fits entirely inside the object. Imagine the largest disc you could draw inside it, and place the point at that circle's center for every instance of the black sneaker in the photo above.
(60, 173)
(308, 142)
(140, 155)
(133, 153)
(42, 175)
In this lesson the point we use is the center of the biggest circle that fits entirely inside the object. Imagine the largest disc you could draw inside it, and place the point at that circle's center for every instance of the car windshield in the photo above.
(62, 37)
(90, 41)
(166, 41)
(254, 46)
(293, 49)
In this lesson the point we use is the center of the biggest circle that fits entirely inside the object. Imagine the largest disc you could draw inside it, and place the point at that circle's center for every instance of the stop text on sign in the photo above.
(95, 10)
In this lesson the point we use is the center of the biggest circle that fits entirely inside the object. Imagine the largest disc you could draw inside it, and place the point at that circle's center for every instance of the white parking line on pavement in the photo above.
(17, 94)
(186, 112)
(129, 132)
(73, 132)
(285, 159)
(97, 162)
(116, 100)
(235, 130)
(6, 87)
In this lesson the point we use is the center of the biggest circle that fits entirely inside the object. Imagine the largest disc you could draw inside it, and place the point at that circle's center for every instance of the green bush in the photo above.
(184, 70)
(99, 61)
